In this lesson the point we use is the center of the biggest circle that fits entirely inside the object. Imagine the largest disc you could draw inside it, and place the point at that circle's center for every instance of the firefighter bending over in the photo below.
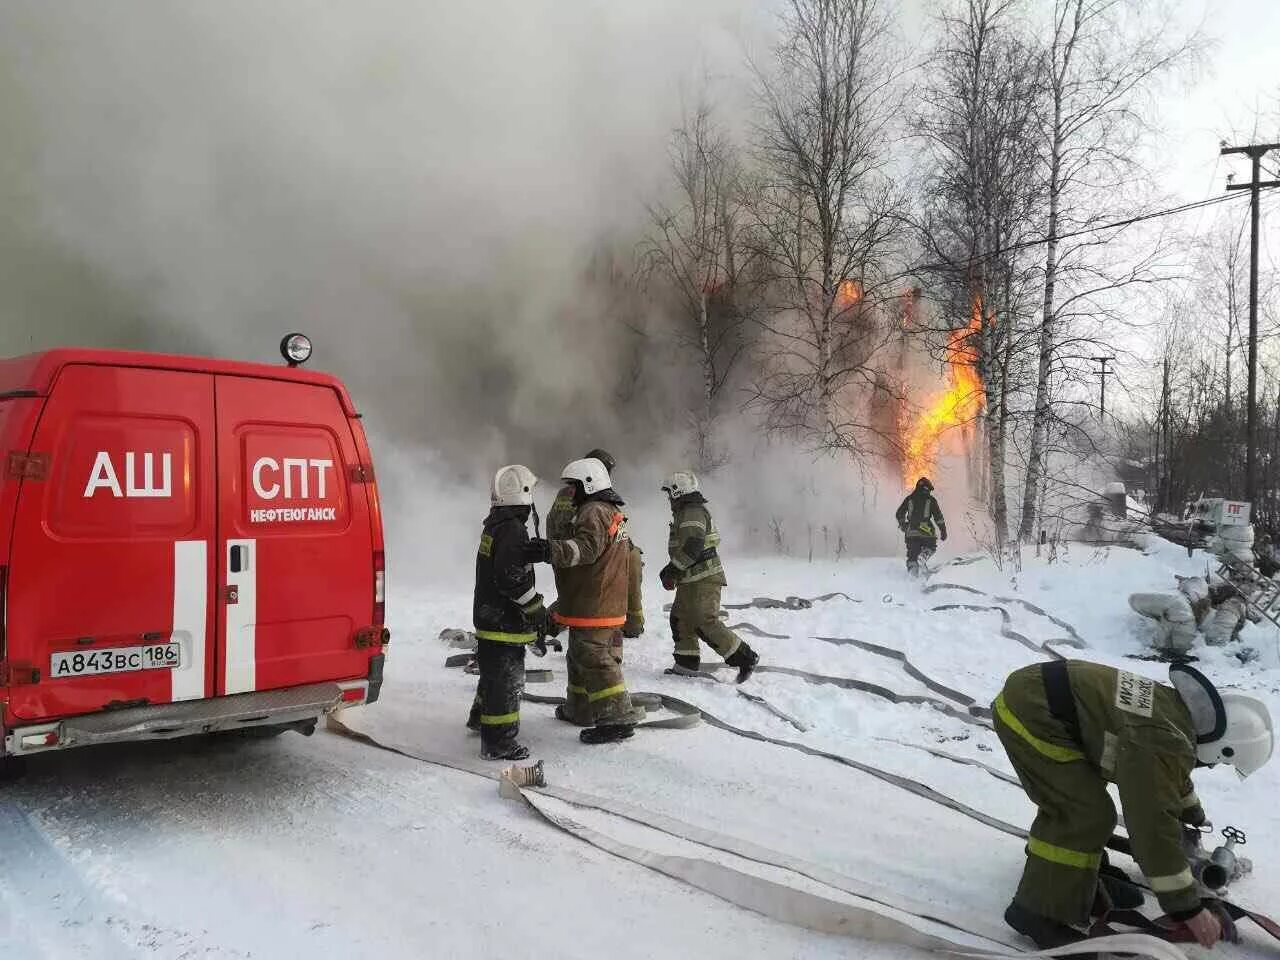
(920, 519)
(1071, 727)
(507, 612)
(697, 576)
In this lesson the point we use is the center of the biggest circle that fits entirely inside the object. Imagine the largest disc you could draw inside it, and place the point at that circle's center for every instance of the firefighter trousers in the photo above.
(496, 707)
(918, 547)
(597, 692)
(1075, 815)
(695, 616)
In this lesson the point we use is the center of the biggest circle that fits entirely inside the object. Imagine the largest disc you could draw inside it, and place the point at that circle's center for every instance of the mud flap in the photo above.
(376, 664)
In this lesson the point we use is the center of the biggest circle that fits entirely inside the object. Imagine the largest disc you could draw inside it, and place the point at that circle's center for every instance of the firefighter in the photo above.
(920, 519)
(697, 576)
(508, 614)
(1069, 728)
(592, 575)
(560, 527)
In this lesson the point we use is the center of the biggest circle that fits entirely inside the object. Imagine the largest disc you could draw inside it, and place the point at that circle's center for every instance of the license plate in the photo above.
(86, 663)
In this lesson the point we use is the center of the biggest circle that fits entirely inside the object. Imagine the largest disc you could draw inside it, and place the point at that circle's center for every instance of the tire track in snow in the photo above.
(38, 878)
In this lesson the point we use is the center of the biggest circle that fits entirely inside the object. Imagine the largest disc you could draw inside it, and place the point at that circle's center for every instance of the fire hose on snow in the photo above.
(767, 897)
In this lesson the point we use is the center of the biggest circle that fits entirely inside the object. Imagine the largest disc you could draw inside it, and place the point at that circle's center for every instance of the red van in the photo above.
(186, 546)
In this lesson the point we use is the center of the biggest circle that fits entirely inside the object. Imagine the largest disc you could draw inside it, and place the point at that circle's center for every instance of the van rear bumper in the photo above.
(166, 721)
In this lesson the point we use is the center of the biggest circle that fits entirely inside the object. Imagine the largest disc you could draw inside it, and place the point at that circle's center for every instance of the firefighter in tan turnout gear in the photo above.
(592, 567)
(697, 576)
(1070, 728)
(560, 527)
(507, 612)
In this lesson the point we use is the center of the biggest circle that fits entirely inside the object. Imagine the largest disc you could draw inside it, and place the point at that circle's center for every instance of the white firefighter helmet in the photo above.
(680, 484)
(1230, 727)
(1248, 739)
(513, 486)
(589, 472)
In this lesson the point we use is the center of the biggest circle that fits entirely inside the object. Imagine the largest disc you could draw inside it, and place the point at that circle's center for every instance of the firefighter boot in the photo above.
(1044, 932)
(745, 659)
(504, 751)
(608, 733)
(686, 663)
(1120, 890)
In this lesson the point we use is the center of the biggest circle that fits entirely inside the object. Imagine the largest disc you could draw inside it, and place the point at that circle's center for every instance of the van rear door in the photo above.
(110, 568)
(295, 546)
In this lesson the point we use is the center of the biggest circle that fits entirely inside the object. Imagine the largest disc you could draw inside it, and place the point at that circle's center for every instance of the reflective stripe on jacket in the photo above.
(921, 515)
(693, 542)
(592, 566)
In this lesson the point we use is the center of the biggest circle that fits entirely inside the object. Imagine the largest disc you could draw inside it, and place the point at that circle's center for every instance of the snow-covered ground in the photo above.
(325, 847)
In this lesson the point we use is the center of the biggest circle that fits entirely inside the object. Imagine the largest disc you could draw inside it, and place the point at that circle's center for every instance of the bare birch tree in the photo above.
(691, 259)
(1104, 57)
(980, 122)
(826, 220)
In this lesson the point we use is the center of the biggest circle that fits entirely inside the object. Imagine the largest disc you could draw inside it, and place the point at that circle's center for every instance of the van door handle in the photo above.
(239, 559)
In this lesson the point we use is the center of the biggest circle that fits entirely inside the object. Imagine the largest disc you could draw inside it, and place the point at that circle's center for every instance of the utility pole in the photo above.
(1102, 372)
(1255, 152)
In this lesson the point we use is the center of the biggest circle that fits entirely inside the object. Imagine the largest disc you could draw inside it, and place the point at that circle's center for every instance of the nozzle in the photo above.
(514, 778)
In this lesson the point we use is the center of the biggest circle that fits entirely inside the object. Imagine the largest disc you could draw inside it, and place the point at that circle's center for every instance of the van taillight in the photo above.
(379, 587)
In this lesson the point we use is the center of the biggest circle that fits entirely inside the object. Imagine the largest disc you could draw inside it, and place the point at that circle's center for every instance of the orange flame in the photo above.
(954, 407)
(848, 293)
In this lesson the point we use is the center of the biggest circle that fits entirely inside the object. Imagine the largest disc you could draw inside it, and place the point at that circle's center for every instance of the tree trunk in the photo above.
(708, 385)
(1040, 419)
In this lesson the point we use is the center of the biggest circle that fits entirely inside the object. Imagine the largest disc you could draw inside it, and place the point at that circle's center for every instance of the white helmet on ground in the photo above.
(680, 484)
(1248, 740)
(589, 472)
(513, 486)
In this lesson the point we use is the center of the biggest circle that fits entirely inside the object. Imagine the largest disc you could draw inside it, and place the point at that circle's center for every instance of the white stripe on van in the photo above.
(242, 617)
(190, 608)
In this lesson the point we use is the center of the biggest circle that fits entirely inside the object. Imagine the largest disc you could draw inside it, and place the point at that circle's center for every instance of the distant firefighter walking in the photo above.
(921, 522)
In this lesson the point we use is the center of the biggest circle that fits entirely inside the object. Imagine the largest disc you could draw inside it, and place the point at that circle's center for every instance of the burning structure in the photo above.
(945, 422)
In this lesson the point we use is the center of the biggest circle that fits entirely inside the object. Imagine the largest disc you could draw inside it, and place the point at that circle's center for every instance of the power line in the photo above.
(1096, 228)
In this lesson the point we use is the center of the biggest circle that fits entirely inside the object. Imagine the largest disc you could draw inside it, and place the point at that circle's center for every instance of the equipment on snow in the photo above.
(514, 779)
(590, 473)
(608, 733)
(1219, 869)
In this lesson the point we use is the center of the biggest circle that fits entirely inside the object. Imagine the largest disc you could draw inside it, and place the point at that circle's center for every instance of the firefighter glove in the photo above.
(668, 576)
(634, 626)
(1230, 934)
(944, 534)
(537, 550)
